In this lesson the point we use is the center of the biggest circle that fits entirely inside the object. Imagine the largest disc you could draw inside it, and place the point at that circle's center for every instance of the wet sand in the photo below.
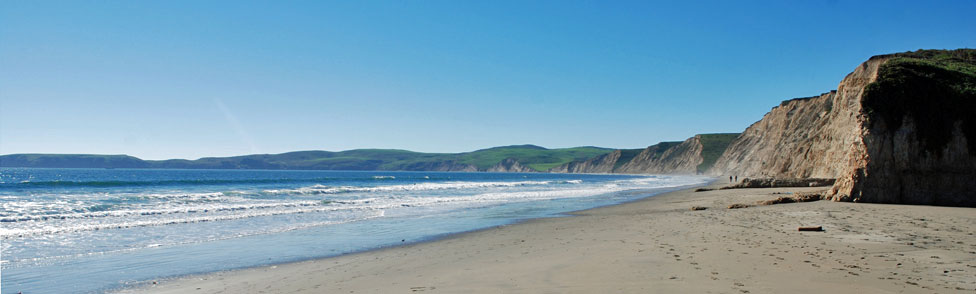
(656, 245)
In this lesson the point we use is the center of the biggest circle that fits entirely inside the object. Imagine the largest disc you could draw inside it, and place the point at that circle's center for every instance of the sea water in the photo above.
(93, 230)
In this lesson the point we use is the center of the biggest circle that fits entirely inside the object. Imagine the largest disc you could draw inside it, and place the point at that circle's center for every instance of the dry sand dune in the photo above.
(657, 245)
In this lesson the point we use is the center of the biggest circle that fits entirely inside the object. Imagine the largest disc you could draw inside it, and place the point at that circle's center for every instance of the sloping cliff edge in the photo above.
(692, 156)
(898, 129)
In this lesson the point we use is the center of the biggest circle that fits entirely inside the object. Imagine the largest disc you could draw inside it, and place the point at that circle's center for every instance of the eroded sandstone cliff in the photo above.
(510, 165)
(692, 156)
(902, 138)
(605, 163)
(667, 158)
(444, 166)
(918, 127)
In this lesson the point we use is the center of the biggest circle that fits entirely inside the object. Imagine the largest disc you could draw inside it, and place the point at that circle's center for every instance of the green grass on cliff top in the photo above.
(934, 88)
(960, 60)
(535, 157)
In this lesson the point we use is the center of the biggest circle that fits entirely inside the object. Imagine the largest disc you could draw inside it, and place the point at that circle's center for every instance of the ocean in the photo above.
(96, 230)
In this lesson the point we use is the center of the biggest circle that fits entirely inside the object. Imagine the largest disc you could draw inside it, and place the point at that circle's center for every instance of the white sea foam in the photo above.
(291, 227)
(176, 217)
(29, 218)
(322, 189)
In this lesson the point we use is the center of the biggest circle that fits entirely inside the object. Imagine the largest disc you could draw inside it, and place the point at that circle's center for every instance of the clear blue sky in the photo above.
(187, 79)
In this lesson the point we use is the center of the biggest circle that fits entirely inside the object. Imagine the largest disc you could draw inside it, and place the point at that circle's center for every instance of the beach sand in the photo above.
(656, 245)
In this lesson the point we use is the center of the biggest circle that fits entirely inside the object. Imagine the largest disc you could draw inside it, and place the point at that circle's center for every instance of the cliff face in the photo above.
(901, 138)
(682, 158)
(691, 156)
(510, 165)
(894, 167)
(801, 138)
(918, 127)
(600, 164)
(443, 166)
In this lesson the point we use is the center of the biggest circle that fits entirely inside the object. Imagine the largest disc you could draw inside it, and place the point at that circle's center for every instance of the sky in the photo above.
(190, 79)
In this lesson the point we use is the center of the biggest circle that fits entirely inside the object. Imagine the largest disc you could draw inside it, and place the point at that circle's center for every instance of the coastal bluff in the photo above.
(898, 129)
(510, 165)
(692, 156)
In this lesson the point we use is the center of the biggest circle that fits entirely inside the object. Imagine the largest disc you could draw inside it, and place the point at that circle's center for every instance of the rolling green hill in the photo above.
(538, 158)
(535, 157)
(72, 161)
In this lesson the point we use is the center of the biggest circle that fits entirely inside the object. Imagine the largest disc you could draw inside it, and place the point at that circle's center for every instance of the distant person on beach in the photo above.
(730, 179)
(736, 178)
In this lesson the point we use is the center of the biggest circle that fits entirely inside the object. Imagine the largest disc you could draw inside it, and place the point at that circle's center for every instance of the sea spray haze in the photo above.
(85, 230)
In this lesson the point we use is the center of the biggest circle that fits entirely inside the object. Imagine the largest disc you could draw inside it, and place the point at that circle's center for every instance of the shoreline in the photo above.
(653, 244)
(647, 193)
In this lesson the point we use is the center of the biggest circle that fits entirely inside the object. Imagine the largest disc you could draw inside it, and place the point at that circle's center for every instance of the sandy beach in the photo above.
(656, 245)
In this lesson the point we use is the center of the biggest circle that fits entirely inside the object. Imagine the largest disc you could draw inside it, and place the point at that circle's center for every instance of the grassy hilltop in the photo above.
(535, 157)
